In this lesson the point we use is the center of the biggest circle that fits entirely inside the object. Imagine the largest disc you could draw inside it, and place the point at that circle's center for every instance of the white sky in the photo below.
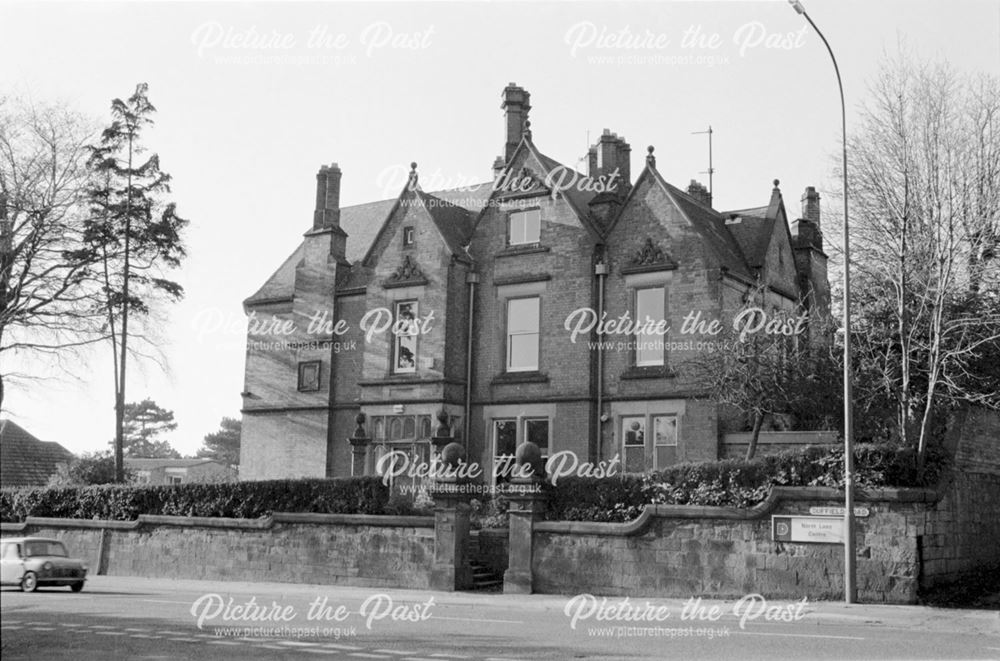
(243, 140)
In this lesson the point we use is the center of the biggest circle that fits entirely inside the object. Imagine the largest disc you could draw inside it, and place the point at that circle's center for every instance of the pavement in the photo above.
(146, 618)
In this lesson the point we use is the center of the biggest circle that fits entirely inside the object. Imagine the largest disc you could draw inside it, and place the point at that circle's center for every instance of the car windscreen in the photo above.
(44, 548)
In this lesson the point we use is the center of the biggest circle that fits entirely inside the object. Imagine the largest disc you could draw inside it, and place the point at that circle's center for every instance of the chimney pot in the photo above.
(516, 104)
(697, 190)
(810, 205)
(611, 153)
(327, 212)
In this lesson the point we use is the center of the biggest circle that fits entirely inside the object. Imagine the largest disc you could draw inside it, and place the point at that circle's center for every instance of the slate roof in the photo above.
(753, 234)
(454, 210)
(25, 460)
(578, 200)
(455, 223)
(710, 224)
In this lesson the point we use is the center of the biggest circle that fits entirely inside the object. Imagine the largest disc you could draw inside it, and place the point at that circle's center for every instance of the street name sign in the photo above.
(808, 529)
(838, 511)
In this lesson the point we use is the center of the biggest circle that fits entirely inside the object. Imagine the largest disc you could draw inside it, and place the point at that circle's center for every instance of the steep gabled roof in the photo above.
(709, 223)
(281, 284)
(453, 222)
(25, 460)
(362, 222)
(753, 234)
(578, 200)
(755, 228)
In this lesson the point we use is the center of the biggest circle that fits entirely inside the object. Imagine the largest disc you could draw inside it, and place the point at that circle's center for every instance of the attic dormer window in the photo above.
(524, 227)
(409, 236)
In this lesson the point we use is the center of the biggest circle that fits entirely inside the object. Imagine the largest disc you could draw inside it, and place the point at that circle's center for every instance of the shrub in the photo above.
(356, 495)
(491, 513)
(737, 482)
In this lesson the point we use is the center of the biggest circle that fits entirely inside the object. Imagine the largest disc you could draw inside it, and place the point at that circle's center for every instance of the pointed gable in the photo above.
(764, 237)
(362, 223)
(707, 223)
(528, 155)
(454, 223)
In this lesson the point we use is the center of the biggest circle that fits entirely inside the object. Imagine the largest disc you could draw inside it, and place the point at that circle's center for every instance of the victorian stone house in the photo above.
(475, 301)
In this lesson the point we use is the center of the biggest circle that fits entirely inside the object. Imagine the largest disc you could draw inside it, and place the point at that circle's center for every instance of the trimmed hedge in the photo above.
(241, 500)
(737, 482)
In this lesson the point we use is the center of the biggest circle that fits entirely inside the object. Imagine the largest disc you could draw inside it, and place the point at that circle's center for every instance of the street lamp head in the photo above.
(797, 6)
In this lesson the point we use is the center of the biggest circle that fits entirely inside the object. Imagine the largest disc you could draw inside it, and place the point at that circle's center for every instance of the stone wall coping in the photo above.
(262, 523)
(777, 495)
(782, 438)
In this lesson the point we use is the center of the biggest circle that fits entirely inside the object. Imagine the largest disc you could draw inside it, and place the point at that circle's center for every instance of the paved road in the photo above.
(139, 618)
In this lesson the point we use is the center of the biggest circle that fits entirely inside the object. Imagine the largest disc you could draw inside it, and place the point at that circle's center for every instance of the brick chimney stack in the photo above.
(806, 230)
(697, 190)
(516, 104)
(624, 165)
(810, 205)
(609, 154)
(327, 212)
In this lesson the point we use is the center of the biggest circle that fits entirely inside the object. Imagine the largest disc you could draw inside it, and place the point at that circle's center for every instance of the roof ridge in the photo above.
(434, 193)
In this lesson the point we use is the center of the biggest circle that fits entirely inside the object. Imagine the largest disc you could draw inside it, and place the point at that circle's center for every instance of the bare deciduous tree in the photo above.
(925, 189)
(768, 373)
(47, 304)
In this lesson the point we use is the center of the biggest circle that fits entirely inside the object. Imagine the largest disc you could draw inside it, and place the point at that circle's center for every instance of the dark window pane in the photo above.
(537, 432)
(506, 437)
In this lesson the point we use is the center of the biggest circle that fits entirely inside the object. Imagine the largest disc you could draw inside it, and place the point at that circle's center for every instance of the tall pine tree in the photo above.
(134, 232)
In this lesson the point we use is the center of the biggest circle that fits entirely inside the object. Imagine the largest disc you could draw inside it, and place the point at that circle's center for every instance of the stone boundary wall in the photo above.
(734, 445)
(961, 536)
(326, 549)
(912, 539)
(720, 552)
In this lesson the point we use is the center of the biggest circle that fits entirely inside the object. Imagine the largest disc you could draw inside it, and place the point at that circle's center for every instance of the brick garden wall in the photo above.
(326, 549)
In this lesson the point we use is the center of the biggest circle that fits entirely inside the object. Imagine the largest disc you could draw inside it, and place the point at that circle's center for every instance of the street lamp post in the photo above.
(850, 586)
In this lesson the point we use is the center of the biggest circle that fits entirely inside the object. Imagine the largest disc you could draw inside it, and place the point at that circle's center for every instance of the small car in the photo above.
(31, 562)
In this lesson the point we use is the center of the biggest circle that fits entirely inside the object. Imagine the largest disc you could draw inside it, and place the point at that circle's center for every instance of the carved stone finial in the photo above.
(530, 454)
(412, 183)
(359, 431)
(776, 183)
(453, 454)
(650, 159)
(444, 429)
(527, 129)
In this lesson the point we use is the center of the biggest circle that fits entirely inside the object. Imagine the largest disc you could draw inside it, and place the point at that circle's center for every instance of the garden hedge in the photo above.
(737, 482)
(249, 500)
(732, 483)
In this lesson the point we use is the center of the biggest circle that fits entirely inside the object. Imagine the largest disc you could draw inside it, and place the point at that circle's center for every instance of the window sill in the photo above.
(650, 372)
(400, 379)
(519, 377)
(394, 284)
(525, 249)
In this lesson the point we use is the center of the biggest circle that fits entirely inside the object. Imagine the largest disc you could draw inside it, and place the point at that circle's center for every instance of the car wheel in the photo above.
(76, 587)
(29, 582)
